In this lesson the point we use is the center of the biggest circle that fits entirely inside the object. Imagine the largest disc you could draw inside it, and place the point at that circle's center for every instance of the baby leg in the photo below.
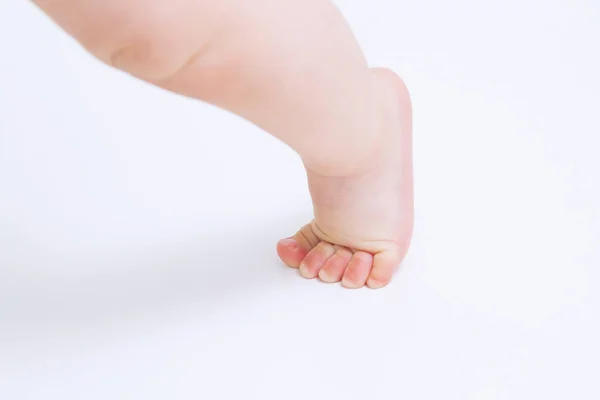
(293, 68)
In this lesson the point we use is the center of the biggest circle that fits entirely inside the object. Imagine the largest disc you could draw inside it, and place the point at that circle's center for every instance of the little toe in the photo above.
(358, 270)
(315, 259)
(384, 266)
(334, 268)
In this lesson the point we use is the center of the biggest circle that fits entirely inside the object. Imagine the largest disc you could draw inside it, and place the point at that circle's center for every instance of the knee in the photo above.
(150, 40)
(145, 47)
(147, 58)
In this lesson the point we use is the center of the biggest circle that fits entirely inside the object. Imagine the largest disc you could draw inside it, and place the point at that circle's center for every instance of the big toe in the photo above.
(290, 252)
(294, 249)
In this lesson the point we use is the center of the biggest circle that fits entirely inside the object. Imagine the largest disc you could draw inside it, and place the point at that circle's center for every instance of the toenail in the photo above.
(304, 270)
(375, 284)
(324, 276)
(348, 284)
(289, 243)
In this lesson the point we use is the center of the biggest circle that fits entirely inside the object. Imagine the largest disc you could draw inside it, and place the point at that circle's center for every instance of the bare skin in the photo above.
(363, 222)
(293, 68)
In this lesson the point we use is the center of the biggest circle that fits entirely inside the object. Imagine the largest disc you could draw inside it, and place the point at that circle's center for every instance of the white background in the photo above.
(137, 228)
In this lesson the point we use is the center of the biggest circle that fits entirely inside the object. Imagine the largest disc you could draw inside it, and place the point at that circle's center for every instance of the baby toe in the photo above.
(316, 259)
(291, 252)
(384, 266)
(358, 270)
(334, 268)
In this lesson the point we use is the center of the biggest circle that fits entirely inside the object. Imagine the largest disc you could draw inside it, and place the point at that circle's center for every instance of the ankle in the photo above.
(373, 149)
(356, 163)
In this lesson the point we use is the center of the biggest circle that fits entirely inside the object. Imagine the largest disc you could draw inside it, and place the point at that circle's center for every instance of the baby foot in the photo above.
(363, 223)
